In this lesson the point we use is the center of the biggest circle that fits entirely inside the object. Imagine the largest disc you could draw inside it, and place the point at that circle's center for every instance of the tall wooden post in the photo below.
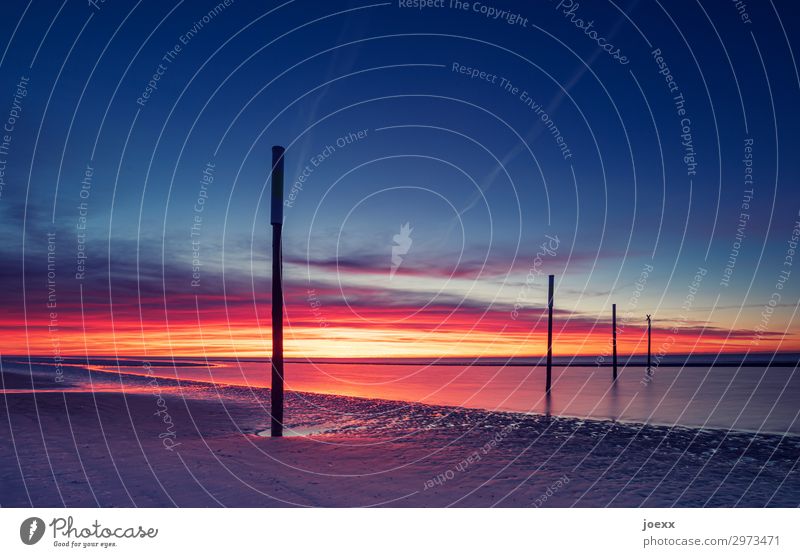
(550, 280)
(614, 337)
(649, 329)
(277, 293)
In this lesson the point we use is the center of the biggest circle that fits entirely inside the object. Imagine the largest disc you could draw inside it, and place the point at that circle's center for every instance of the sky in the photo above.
(440, 163)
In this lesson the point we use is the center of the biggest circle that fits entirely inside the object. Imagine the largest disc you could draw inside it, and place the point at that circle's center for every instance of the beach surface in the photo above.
(115, 440)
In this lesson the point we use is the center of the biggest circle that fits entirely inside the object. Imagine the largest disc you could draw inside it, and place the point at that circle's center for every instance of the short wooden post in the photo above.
(649, 329)
(614, 337)
(550, 280)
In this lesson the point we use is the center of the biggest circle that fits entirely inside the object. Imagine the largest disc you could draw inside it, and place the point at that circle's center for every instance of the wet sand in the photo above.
(170, 444)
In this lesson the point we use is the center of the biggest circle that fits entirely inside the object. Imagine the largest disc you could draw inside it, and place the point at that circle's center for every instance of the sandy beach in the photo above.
(155, 442)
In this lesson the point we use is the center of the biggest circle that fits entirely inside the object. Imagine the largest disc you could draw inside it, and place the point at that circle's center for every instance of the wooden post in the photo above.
(649, 328)
(550, 280)
(277, 293)
(614, 337)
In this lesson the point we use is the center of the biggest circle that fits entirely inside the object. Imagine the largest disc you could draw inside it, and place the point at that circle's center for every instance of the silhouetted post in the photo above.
(614, 337)
(550, 279)
(277, 293)
(649, 327)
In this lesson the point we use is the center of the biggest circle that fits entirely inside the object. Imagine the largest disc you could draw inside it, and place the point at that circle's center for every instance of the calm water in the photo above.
(751, 399)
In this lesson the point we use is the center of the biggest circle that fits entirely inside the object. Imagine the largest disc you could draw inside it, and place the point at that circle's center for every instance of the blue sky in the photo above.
(476, 171)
